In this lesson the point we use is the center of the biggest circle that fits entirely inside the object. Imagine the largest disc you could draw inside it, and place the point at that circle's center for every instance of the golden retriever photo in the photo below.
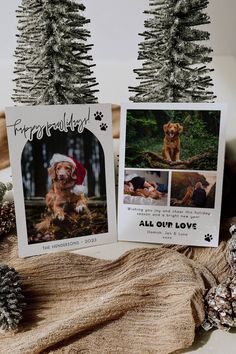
(64, 193)
(64, 176)
(177, 139)
(187, 198)
(64, 185)
(171, 145)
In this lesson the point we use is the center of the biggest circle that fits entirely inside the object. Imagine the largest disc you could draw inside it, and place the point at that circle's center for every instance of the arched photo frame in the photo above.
(61, 207)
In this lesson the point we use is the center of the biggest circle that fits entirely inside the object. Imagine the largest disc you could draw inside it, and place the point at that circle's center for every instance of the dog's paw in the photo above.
(60, 216)
(79, 209)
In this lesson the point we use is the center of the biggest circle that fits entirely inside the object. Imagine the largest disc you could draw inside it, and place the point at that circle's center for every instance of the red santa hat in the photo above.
(79, 168)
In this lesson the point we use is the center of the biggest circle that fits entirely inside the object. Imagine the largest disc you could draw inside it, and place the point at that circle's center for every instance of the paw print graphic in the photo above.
(98, 115)
(208, 237)
(103, 126)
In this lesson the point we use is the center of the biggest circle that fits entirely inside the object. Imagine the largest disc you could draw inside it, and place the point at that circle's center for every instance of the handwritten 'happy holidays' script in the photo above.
(64, 125)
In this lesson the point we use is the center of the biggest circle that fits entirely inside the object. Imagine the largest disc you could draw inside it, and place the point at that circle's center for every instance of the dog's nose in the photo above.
(61, 175)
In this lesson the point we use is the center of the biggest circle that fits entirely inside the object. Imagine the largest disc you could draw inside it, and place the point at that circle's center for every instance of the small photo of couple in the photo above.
(193, 189)
(144, 187)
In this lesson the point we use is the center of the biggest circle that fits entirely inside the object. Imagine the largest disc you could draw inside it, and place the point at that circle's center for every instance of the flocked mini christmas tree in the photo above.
(53, 64)
(175, 65)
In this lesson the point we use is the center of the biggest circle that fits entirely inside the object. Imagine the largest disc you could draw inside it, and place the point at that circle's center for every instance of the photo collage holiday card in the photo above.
(64, 188)
(171, 173)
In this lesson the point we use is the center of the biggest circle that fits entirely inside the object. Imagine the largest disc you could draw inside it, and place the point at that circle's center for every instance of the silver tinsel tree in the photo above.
(175, 65)
(53, 64)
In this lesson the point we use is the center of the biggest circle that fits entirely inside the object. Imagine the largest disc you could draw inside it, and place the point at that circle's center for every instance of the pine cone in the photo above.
(3, 190)
(220, 305)
(220, 301)
(7, 217)
(11, 298)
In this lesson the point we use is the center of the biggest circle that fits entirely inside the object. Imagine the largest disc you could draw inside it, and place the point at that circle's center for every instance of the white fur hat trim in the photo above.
(78, 189)
(61, 158)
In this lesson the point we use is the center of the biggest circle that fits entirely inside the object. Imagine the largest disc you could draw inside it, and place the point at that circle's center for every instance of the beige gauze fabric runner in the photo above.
(147, 301)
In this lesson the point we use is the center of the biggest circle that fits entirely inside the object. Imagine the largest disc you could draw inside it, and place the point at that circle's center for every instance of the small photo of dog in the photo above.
(171, 143)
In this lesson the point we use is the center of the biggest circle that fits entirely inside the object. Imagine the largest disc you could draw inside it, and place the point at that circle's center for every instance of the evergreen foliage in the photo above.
(175, 66)
(53, 65)
(11, 298)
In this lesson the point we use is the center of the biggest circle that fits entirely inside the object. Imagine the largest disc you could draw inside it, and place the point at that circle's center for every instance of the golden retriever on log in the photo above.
(171, 146)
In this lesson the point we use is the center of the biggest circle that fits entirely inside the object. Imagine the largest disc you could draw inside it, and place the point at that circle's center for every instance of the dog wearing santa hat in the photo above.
(67, 189)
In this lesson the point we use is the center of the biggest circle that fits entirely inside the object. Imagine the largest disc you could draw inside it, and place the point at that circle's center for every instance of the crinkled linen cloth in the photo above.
(146, 301)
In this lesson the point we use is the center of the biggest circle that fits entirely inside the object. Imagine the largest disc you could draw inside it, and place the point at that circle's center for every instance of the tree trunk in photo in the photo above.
(39, 170)
(102, 177)
(88, 163)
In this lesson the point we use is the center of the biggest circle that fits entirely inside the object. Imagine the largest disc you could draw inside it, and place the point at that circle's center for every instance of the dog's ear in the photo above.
(51, 172)
(74, 173)
(180, 128)
(166, 126)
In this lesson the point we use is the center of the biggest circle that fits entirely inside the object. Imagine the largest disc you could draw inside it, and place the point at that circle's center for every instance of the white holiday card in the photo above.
(171, 173)
(63, 176)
